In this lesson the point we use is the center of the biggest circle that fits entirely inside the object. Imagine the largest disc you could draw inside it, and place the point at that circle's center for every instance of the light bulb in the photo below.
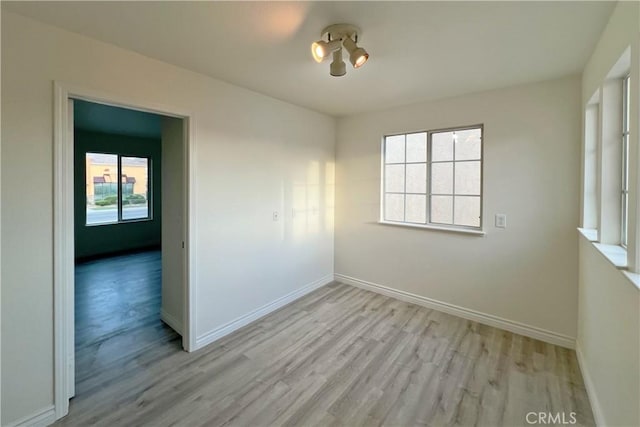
(361, 60)
(317, 51)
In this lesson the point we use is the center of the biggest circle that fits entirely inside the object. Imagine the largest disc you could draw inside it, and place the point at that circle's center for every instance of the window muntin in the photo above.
(117, 188)
(624, 199)
(434, 178)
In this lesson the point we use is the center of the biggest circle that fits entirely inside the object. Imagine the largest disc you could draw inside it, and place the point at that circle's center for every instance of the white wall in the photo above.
(609, 339)
(526, 273)
(609, 303)
(255, 155)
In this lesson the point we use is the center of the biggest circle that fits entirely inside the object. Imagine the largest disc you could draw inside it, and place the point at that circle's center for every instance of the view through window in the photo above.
(117, 188)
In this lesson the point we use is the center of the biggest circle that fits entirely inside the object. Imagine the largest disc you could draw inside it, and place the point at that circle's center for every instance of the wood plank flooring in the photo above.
(117, 316)
(338, 356)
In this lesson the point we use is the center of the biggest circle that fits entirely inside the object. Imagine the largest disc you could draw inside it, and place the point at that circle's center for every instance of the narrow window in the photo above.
(625, 163)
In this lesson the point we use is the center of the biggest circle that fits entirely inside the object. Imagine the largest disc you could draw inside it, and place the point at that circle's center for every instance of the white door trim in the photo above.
(63, 224)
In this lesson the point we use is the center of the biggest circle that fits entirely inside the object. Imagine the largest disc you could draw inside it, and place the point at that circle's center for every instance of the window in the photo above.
(434, 178)
(117, 188)
(625, 163)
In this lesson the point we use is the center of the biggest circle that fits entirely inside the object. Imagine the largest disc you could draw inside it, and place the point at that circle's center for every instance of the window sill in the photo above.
(591, 234)
(434, 227)
(615, 254)
(633, 278)
(124, 221)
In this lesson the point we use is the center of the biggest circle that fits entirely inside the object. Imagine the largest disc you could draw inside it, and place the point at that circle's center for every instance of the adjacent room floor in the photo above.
(117, 319)
(340, 356)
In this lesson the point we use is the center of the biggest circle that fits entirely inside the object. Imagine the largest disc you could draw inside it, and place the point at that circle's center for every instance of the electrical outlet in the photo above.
(501, 221)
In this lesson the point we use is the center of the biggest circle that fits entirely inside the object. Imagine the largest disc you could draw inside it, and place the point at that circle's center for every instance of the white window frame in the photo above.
(429, 224)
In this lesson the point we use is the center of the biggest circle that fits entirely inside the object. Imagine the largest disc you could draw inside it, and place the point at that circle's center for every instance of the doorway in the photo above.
(118, 292)
(130, 206)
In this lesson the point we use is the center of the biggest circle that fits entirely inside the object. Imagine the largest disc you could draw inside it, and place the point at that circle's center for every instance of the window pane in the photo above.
(394, 179)
(627, 99)
(441, 146)
(468, 144)
(101, 188)
(135, 189)
(394, 149)
(442, 178)
(416, 208)
(416, 178)
(625, 162)
(417, 147)
(394, 207)
(468, 178)
(467, 211)
(442, 209)
(624, 237)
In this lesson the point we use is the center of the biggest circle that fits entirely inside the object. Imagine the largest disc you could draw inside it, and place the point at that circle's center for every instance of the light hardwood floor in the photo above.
(117, 313)
(339, 356)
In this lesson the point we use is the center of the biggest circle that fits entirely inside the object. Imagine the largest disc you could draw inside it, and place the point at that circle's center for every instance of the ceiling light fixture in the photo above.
(338, 67)
(339, 35)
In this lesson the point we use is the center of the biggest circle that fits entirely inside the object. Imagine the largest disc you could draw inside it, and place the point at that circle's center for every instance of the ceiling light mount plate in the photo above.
(341, 31)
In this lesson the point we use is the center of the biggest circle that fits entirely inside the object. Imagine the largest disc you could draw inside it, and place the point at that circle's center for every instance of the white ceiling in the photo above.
(419, 50)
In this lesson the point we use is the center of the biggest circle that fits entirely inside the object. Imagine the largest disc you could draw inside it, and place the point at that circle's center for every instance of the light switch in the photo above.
(501, 221)
(276, 216)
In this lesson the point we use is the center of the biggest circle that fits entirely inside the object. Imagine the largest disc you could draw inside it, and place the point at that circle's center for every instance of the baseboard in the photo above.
(171, 321)
(241, 321)
(591, 390)
(118, 252)
(41, 418)
(465, 313)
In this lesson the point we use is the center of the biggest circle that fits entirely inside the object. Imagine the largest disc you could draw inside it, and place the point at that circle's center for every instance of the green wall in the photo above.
(98, 240)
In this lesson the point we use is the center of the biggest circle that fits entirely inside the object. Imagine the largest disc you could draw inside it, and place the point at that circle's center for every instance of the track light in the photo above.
(338, 68)
(339, 35)
(357, 55)
(322, 49)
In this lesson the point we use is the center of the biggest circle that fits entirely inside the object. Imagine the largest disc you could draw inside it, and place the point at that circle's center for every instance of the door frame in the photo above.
(63, 227)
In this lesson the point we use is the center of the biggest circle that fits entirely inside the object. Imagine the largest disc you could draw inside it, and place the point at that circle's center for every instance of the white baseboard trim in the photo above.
(171, 321)
(41, 418)
(465, 313)
(241, 321)
(591, 390)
